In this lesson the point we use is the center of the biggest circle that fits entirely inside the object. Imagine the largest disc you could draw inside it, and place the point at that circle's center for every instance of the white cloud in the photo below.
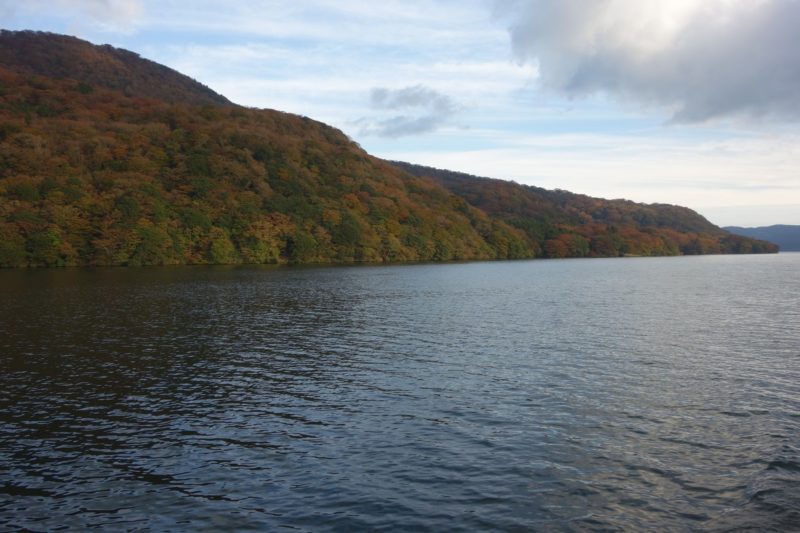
(334, 87)
(700, 59)
(117, 15)
(423, 23)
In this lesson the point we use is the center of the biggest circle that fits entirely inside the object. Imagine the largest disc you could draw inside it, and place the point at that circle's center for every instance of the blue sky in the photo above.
(690, 102)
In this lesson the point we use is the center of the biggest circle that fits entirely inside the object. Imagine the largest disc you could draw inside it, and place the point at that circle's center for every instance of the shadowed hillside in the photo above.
(785, 236)
(110, 159)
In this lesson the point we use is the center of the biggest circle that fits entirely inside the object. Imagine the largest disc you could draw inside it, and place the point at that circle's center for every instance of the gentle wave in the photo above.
(557, 395)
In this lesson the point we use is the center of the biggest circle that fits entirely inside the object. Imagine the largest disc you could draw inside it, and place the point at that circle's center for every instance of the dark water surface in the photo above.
(537, 395)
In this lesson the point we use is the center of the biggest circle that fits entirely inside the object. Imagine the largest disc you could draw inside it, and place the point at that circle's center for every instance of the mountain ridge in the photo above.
(787, 236)
(61, 56)
(576, 225)
(132, 163)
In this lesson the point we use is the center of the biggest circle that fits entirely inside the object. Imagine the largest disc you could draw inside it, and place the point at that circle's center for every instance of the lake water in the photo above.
(657, 393)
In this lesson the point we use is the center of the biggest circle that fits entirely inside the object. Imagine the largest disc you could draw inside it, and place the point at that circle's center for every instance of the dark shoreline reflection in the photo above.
(639, 393)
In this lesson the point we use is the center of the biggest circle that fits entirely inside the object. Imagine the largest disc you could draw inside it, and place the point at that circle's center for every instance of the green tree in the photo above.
(221, 250)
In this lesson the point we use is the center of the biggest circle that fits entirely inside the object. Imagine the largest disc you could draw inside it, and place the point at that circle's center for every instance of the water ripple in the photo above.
(553, 395)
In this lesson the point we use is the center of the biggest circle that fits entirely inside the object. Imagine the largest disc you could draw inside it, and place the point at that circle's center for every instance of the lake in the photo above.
(605, 394)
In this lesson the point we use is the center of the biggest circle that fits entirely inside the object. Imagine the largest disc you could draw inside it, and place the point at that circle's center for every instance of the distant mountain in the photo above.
(785, 236)
(563, 224)
(107, 158)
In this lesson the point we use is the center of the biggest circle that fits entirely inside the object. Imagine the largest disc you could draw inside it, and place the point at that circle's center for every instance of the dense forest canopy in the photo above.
(563, 224)
(110, 159)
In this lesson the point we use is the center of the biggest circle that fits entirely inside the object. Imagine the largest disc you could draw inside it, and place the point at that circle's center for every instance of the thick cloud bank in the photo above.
(702, 59)
(414, 110)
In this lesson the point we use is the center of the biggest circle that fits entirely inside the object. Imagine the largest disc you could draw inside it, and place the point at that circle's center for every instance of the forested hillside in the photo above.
(90, 175)
(61, 56)
(563, 224)
(109, 159)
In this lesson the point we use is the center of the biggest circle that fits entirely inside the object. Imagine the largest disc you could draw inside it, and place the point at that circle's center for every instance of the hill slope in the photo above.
(785, 236)
(106, 178)
(564, 224)
(109, 159)
(60, 56)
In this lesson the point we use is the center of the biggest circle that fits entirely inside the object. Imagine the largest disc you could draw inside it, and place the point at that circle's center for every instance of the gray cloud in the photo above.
(700, 59)
(418, 109)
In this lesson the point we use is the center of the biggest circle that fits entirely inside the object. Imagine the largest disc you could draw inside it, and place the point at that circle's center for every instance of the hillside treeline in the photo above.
(109, 159)
(563, 224)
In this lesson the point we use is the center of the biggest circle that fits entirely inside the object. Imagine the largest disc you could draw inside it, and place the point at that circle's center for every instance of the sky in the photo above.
(688, 102)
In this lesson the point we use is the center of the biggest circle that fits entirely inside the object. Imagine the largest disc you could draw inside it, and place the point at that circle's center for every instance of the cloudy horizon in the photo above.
(688, 102)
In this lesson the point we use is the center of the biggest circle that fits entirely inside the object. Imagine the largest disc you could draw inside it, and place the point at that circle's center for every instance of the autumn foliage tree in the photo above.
(109, 159)
(563, 224)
